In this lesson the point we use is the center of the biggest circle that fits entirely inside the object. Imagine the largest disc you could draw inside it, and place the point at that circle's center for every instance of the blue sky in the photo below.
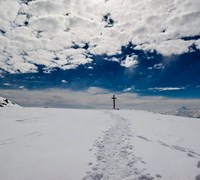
(153, 75)
(152, 51)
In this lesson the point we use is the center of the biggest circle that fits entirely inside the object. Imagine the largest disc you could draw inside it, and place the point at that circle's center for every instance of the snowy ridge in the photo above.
(7, 103)
(186, 112)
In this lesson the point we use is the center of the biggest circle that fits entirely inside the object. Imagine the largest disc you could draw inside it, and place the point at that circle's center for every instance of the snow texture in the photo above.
(7, 103)
(51, 144)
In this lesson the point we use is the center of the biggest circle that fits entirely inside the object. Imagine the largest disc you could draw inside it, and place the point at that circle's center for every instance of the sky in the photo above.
(141, 50)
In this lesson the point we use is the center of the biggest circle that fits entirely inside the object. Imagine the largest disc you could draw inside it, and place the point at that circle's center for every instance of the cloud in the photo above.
(174, 47)
(158, 66)
(166, 88)
(94, 98)
(130, 61)
(44, 28)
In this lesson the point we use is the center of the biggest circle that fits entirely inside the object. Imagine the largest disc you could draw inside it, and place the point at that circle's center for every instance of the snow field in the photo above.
(47, 144)
(168, 144)
(51, 144)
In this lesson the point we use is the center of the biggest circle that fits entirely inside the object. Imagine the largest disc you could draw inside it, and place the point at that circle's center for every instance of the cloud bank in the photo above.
(64, 33)
(95, 98)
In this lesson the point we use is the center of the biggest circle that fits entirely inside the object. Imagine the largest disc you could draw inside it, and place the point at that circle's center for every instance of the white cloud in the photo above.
(54, 26)
(166, 88)
(158, 66)
(128, 89)
(174, 47)
(130, 61)
(94, 98)
(198, 44)
(64, 81)
(8, 13)
(42, 7)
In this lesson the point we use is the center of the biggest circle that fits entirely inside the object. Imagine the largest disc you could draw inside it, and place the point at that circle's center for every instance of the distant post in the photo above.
(114, 98)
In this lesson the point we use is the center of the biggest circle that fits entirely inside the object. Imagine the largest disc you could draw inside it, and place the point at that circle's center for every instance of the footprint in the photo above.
(20, 120)
(94, 168)
(146, 177)
(90, 163)
(114, 155)
(198, 164)
(144, 138)
(158, 176)
(164, 144)
(197, 177)
(179, 148)
(191, 155)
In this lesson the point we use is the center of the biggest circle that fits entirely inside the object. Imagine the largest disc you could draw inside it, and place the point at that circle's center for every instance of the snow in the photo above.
(51, 144)
(7, 103)
(186, 112)
(167, 144)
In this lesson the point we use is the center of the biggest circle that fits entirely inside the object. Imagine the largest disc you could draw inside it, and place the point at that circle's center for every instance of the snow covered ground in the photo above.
(185, 112)
(67, 144)
(7, 103)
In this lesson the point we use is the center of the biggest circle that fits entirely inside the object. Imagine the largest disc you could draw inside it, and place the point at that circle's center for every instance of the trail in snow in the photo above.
(115, 155)
(189, 152)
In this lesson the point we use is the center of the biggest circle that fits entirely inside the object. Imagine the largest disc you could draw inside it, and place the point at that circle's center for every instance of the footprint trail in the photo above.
(115, 155)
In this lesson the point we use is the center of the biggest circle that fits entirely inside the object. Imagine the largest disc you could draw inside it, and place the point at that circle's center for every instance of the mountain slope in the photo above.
(51, 144)
(7, 103)
(186, 112)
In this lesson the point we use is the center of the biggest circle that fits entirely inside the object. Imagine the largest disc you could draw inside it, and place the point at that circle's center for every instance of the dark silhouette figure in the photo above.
(114, 98)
